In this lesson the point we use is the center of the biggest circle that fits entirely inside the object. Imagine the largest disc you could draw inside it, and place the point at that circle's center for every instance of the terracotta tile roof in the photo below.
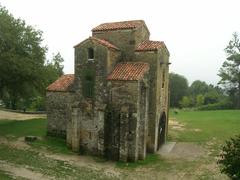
(104, 43)
(119, 25)
(62, 84)
(100, 41)
(150, 45)
(128, 71)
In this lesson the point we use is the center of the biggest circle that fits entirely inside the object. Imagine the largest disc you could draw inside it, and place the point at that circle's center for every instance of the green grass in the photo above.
(150, 159)
(213, 126)
(218, 125)
(53, 144)
(51, 167)
(34, 127)
(5, 176)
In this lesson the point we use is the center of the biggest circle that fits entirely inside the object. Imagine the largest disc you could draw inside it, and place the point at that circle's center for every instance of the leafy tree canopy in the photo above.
(22, 61)
(230, 70)
(178, 88)
(198, 87)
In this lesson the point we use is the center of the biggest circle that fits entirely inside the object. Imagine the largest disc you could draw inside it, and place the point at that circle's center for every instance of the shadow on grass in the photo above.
(150, 159)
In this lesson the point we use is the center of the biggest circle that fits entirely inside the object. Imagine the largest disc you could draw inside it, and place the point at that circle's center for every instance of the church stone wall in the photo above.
(58, 112)
(151, 57)
(129, 100)
(158, 96)
(91, 110)
(125, 40)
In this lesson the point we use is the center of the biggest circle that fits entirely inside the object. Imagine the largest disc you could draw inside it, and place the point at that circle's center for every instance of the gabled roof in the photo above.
(150, 45)
(100, 41)
(62, 84)
(128, 71)
(120, 25)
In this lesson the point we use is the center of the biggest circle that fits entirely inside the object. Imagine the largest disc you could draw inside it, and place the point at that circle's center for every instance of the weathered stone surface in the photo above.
(58, 112)
(118, 119)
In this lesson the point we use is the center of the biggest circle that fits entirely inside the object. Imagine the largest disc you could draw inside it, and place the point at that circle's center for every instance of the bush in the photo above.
(38, 104)
(230, 158)
(216, 106)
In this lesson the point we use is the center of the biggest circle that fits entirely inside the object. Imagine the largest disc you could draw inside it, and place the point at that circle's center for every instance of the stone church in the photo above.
(116, 103)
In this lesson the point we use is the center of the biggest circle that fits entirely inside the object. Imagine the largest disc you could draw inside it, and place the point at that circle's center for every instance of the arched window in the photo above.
(88, 83)
(90, 54)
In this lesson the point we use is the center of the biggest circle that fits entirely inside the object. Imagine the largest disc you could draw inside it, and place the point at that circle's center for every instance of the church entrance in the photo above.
(161, 130)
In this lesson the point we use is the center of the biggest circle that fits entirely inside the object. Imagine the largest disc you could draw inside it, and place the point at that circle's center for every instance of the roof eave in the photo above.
(91, 39)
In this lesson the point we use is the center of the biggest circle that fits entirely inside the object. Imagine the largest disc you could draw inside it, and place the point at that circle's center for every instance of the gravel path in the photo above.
(19, 116)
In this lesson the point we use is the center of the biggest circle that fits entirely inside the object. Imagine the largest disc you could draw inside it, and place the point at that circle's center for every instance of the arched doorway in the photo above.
(162, 130)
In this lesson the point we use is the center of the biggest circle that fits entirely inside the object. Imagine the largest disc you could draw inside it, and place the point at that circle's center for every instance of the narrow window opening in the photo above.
(90, 54)
(88, 83)
(163, 79)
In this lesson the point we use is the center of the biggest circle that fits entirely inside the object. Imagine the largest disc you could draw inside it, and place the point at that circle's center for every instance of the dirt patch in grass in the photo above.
(18, 144)
(107, 168)
(175, 125)
(184, 150)
(17, 171)
(4, 115)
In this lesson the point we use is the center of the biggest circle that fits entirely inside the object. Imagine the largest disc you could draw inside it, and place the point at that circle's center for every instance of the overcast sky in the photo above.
(195, 31)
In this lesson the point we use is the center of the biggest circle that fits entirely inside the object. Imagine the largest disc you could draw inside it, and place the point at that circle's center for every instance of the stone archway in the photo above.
(162, 130)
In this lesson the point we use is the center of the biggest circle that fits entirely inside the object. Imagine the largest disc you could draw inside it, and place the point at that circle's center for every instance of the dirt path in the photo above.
(108, 168)
(17, 171)
(19, 116)
(182, 150)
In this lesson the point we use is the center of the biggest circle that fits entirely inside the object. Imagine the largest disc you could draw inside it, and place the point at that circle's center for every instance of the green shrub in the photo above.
(230, 158)
(216, 106)
(38, 104)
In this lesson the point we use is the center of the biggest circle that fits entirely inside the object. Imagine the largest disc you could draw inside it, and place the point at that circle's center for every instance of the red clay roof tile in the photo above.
(129, 71)
(62, 84)
(119, 25)
(104, 43)
(100, 41)
(150, 45)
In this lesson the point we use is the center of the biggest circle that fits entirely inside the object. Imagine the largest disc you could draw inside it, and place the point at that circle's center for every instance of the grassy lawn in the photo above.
(38, 163)
(34, 127)
(12, 129)
(202, 126)
(5, 176)
(208, 129)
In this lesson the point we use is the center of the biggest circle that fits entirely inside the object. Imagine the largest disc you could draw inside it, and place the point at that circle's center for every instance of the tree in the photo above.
(185, 102)
(200, 100)
(230, 158)
(230, 71)
(198, 87)
(54, 68)
(214, 95)
(178, 88)
(57, 63)
(21, 60)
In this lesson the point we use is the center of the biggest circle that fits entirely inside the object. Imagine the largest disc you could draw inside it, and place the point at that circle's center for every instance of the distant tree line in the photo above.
(200, 95)
(24, 71)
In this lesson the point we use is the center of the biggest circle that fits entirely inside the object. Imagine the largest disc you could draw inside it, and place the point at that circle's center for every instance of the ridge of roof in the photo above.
(132, 24)
(62, 84)
(100, 41)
